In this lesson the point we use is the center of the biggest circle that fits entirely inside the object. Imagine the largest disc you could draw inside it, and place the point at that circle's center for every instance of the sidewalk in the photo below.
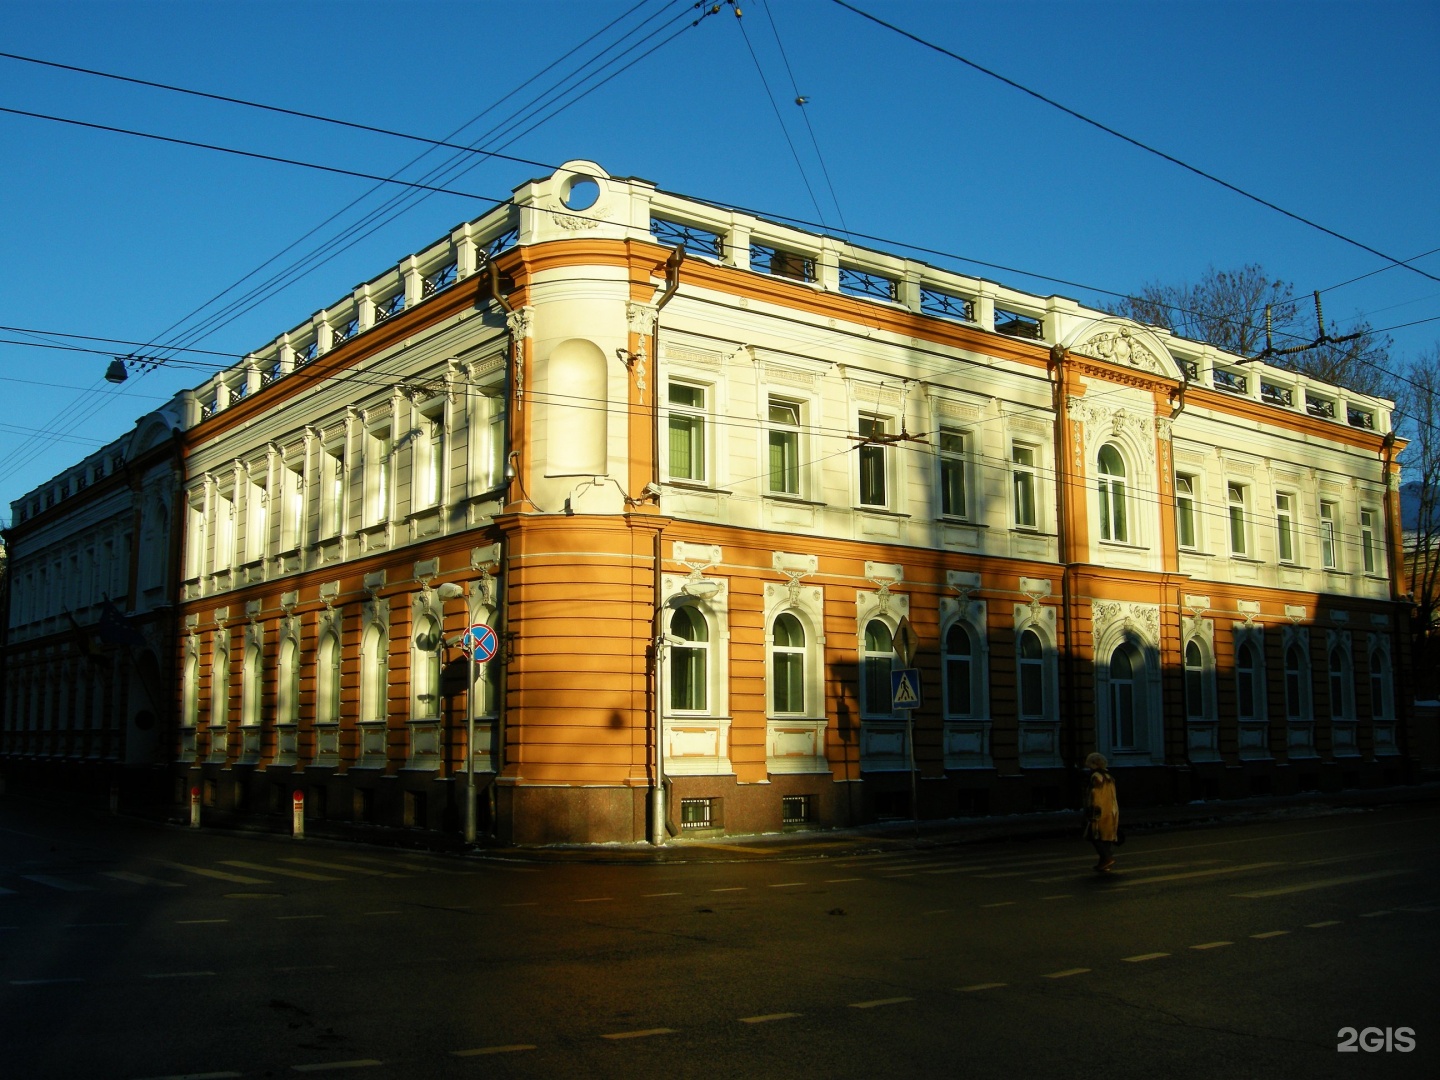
(928, 835)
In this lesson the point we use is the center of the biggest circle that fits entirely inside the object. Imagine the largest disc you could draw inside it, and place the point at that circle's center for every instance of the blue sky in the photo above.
(1329, 110)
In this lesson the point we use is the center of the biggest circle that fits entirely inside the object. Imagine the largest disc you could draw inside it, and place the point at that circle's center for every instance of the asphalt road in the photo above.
(132, 951)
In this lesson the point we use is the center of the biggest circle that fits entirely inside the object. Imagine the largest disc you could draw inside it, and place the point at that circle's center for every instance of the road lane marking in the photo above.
(1201, 873)
(838, 880)
(730, 888)
(767, 1018)
(1375, 914)
(384, 913)
(650, 895)
(879, 1002)
(940, 911)
(1002, 903)
(1269, 934)
(1067, 973)
(897, 875)
(1144, 956)
(513, 1048)
(523, 903)
(1088, 872)
(199, 922)
(978, 986)
(790, 885)
(219, 875)
(1324, 884)
(1418, 910)
(1319, 925)
(7, 892)
(294, 918)
(140, 879)
(57, 883)
(178, 974)
(1212, 945)
(322, 1066)
(338, 866)
(1059, 896)
(304, 875)
(643, 1034)
(304, 967)
(593, 899)
(43, 982)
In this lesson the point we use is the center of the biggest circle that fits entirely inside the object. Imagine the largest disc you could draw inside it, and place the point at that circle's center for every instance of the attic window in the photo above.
(857, 282)
(786, 264)
(1013, 324)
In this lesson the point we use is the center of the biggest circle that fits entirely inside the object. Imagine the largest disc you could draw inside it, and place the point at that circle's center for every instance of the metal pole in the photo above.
(470, 754)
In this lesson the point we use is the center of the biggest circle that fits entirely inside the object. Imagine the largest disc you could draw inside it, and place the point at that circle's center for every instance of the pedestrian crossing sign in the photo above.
(905, 688)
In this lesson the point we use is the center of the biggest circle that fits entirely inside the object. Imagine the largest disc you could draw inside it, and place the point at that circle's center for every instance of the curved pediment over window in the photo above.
(151, 430)
(1125, 344)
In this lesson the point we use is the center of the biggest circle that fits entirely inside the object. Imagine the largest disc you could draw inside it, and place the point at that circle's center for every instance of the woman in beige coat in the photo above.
(1103, 826)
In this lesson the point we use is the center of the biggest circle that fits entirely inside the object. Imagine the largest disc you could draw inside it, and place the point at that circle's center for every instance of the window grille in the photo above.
(1320, 407)
(786, 264)
(794, 809)
(1192, 369)
(440, 280)
(701, 241)
(864, 283)
(385, 309)
(1232, 382)
(1360, 418)
(696, 813)
(1272, 394)
(503, 242)
(345, 332)
(1013, 324)
(270, 374)
(946, 306)
(308, 353)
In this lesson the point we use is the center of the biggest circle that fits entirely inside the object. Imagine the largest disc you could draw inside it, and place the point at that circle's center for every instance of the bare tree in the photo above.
(1418, 418)
(1227, 309)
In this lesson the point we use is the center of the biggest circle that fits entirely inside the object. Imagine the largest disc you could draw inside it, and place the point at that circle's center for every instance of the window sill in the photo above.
(880, 511)
(696, 487)
(949, 519)
(1196, 552)
(1123, 545)
(790, 500)
(1031, 530)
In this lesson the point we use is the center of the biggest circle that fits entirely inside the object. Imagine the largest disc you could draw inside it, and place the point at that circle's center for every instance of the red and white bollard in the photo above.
(195, 807)
(299, 811)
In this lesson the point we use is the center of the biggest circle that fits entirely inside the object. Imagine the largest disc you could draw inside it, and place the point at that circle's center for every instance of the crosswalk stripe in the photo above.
(140, 879)
(219, 875)
(303, 874)
(1202, 873)
(348, 867)
(57, 883)
(1327, 883)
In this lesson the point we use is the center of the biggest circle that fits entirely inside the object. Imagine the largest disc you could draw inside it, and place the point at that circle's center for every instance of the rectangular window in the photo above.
(794, 809)
(1236, 495)
(1285, 526)
(292, 509)
(873, 461)
(1329, 555)
(332, 490)
(430, 459)
(784, 448)
(1367, 540)
(224, 532)
(687, 433)
(257, 519)
(787, 264)
(953, 502)
(1185, 511)
(377, 475)
(696, 813)
(194, 540)
(1022, 469)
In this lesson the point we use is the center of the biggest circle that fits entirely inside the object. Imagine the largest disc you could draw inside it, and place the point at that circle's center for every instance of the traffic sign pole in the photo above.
(480, 644)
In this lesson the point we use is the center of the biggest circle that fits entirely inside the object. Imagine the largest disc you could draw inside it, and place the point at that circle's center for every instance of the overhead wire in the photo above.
(1132, 141)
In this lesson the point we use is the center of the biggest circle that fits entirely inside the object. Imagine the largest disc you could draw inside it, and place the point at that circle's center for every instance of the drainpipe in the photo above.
(1058, 356)
(658, 818)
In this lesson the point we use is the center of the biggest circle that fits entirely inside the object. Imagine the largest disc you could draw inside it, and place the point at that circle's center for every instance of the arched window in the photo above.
(787, 666)
(689, 657)
(1194, 682)
(1246, 705)
(1031, 659)
(1294, 684)
(252, 677)
(425, 667)
(220, 687)
(1379, 685)
(372, 680)
(1339, 678)
(1123, 664)
(327, 678)
(1112, 495)
(959, 673)
(876, 664)
(190, 707)
(287, 690)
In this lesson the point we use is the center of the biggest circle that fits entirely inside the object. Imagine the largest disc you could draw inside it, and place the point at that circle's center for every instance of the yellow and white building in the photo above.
(697, 496)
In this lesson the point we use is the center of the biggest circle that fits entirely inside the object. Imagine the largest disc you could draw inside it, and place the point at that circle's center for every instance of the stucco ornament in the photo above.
(1121, 345)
